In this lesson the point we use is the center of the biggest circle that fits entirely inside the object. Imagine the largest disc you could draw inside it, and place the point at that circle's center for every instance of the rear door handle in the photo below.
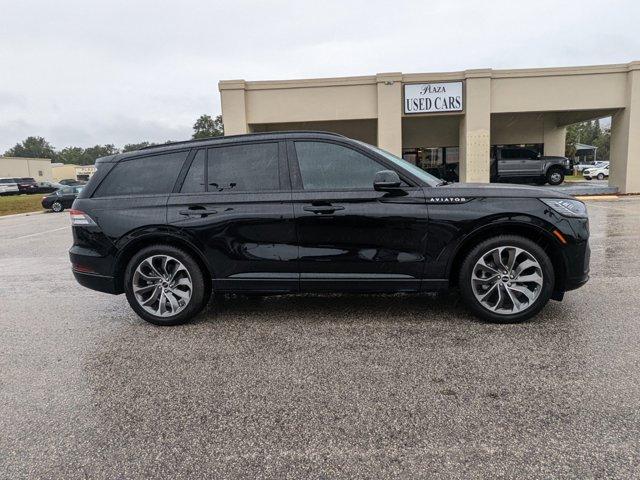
(323, 209)
(197, 211)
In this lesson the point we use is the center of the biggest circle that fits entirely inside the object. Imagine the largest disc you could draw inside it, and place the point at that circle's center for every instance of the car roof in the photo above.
(171, 146)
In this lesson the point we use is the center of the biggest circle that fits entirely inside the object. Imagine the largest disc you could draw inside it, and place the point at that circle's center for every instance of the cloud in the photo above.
(116, 71)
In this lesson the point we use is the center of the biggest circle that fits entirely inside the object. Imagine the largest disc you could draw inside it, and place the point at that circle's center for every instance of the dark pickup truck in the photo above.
(522, 164)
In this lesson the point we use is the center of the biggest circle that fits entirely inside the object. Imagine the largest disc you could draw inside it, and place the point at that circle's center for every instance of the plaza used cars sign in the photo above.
(433, 97)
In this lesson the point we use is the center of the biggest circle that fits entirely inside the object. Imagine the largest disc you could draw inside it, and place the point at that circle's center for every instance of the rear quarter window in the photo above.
(154, 174)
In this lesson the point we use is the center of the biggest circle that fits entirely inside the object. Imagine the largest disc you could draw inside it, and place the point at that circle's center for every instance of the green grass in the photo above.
(574, 178)
(20, 204)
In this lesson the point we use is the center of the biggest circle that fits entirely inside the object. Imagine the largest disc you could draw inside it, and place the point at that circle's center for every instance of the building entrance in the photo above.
(442, 162)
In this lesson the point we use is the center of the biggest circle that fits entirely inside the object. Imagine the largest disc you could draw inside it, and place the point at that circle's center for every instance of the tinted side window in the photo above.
(251, 167)
(194, 182)
(507, 154)
(143, 176)
(325, 166)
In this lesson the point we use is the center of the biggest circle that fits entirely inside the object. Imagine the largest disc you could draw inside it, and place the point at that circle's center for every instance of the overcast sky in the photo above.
(86, 72)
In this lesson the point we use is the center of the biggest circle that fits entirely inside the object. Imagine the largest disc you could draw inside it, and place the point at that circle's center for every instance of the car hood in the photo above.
(502, 190)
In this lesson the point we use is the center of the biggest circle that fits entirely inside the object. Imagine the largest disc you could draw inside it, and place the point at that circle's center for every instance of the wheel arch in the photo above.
(137, 240)
(535, 233)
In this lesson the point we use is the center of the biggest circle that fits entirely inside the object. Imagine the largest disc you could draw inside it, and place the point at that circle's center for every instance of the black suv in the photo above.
(290, 212)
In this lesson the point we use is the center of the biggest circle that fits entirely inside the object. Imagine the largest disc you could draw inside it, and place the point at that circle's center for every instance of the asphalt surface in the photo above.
(585, 187)
(317, 386)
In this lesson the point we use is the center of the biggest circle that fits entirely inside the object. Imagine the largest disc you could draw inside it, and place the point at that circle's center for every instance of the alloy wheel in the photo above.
(507, 280)
(162, 285)
(555, 177)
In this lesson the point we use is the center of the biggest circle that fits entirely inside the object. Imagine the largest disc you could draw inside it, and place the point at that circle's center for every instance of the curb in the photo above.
(602, 198)
(27, 214)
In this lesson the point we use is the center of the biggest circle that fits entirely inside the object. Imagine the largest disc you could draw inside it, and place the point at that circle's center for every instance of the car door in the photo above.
(351, 237)
(508, 163)
(69, 195)
(234, 202)
(531, 163)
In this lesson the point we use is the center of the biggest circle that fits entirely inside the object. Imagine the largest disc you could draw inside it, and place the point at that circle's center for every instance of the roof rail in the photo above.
(197, 140)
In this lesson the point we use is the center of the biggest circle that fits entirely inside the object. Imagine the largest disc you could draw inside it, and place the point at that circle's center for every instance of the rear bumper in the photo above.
(101, 283)
(93, 271)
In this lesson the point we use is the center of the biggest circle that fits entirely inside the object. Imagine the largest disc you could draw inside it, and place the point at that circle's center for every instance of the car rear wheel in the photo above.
(506, 279)
(555, 176)
(165, 286)
(600, 176)
(57, 207)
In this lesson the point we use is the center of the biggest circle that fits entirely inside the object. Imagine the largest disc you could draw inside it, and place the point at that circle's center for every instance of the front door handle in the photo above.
(323, 209)
(197, 211)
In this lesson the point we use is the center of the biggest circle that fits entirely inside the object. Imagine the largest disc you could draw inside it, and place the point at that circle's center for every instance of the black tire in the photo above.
(200, 292)
(464, 280)
(555, 176)
(600, 176)
(57, 207)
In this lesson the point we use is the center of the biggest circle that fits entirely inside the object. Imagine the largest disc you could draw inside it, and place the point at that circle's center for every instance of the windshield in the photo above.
(429, 179)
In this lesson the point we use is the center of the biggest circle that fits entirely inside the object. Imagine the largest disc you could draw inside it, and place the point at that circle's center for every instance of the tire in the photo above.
(531, 301)
(600, 176)
(57, 207)
(555, 176)
(141, 283)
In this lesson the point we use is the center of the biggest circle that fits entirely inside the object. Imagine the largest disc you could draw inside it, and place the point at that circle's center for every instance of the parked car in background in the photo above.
(27, 185)
(598, 172)
(8, 186)
(515, 164)
(61, 199)
(70, 182)
(579, 168)
(299, 212)
(47, 187)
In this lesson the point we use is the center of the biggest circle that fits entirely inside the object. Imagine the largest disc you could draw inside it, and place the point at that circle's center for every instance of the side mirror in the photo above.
(386, 181)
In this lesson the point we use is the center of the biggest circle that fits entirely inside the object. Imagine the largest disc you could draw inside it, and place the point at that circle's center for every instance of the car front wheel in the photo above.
(506, 279)
(601, 176)
(555, 176)
(164, 285)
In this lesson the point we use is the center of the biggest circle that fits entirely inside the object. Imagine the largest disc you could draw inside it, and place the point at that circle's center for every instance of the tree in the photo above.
(589, 133)
(34, 147)
(97, 151)
(71, 155)
(129, 147)
(206, 126)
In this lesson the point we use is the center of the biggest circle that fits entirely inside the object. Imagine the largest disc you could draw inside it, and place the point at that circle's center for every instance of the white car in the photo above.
(8, 186)
(599, 172)
(581, 167)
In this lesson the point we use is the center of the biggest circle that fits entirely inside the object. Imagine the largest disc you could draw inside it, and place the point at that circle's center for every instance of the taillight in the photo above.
(80, 219)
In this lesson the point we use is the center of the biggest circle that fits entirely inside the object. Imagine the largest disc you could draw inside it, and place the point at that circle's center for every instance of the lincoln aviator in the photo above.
(298, 212)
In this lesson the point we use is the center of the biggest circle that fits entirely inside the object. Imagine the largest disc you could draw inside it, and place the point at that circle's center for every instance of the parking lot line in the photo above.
(39, 233)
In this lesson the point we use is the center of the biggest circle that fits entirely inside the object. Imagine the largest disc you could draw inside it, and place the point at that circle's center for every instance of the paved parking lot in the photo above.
(319, 387)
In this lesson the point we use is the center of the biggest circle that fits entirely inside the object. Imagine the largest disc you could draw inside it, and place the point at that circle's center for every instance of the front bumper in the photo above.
(575, 282)
(577, 259)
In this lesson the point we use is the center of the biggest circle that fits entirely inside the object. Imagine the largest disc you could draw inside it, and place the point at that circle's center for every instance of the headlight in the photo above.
(568, 208)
